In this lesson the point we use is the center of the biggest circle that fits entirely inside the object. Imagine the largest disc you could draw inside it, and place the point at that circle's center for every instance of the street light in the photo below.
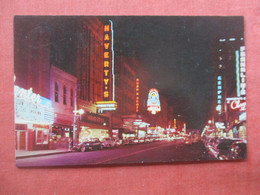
(77, 113)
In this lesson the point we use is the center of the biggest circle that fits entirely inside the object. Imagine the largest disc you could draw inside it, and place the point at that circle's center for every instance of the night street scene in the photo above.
(120, 90)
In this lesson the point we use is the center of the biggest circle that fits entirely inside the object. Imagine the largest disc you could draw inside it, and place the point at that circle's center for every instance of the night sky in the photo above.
(176, 51)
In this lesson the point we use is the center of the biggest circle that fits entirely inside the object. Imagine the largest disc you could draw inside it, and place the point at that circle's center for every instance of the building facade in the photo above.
(62, 94)
(229, 103)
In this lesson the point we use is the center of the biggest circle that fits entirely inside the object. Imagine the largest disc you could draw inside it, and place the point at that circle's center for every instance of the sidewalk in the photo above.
(28, 154)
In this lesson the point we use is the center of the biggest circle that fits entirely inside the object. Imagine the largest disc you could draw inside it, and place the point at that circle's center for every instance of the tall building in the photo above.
(94, 73)
(34, 113)
(131, 89)
(229, 78)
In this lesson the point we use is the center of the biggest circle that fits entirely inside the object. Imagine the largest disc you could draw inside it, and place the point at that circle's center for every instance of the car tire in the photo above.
(82, 149)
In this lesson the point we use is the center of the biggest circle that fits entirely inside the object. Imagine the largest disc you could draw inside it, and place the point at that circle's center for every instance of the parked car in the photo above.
(89, 144)
(188, 140)
(130, 140)
(227, 148)
(238, 150)
(109, 142)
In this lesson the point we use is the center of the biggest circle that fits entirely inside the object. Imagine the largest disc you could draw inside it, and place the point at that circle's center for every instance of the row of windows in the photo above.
(64, 94)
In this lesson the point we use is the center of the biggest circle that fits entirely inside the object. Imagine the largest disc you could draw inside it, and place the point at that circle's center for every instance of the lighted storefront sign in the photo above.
(95, 119)
(137, 95)
(153, 102)
(237, 103)
(219, 93)
(106, 105)
(32, 108)
(220, 125)
(87, 133)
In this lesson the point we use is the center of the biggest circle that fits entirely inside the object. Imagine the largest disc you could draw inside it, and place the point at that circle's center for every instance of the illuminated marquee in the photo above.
(32, 108)
(137, 95)
(106, 105)
(153, 102)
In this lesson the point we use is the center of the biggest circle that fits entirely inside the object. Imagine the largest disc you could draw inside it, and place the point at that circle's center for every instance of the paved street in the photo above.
(157, 152)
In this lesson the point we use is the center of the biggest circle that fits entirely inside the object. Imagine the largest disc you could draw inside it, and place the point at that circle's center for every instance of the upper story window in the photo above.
(56, 93)
(71, 97)
(64, 95)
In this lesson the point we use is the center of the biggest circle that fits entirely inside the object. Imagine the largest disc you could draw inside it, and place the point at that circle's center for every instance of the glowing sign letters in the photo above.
(137, 95)
(153, 102)
(31, 107)
(242, 71)
(107, 61)
(237, 104)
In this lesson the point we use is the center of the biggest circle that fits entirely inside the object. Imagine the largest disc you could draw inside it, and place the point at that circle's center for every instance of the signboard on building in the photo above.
(108, 102)
(153, 102)
(31, 107)
(236, 104)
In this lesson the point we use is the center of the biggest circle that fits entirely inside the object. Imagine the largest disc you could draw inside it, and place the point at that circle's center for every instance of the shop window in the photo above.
(56, 93)
(41, 136)
(64, 95)
(71, 97)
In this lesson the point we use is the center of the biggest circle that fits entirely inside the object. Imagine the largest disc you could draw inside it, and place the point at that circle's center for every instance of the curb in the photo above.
(39, 155)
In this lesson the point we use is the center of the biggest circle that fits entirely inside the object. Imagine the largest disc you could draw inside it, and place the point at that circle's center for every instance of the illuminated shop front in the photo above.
(236, 116)
(34, 116)
(93, 126)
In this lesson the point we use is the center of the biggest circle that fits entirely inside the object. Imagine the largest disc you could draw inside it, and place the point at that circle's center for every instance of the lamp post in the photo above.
(77, 114)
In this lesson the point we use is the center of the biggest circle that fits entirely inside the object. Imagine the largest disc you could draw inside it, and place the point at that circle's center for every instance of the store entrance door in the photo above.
(21, 142)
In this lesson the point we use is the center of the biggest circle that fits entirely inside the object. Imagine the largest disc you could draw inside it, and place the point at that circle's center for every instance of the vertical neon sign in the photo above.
(137, 95)
(219, 93)
(107, 63)
(242, 86)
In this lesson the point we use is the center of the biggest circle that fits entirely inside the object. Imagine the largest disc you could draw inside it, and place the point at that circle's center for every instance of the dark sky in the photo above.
(176, 51)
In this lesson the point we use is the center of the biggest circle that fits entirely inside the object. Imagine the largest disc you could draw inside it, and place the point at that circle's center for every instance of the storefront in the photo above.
(34, 116)
(93, 125)
(236, 117)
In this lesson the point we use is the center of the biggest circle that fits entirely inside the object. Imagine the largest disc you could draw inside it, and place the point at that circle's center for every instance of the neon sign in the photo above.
(108, 64)
(237, 104)
(242, 71)
(219, 92)
(27, 95)
(137, 95)
(106, 105)
(153, 102)
(32, 108)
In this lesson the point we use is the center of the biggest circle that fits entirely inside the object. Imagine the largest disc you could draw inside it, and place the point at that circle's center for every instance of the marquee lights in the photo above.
(106, 105)
(32, 108)
(153, 102)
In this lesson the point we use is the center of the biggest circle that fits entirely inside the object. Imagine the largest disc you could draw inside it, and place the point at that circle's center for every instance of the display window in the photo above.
(42, 136)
